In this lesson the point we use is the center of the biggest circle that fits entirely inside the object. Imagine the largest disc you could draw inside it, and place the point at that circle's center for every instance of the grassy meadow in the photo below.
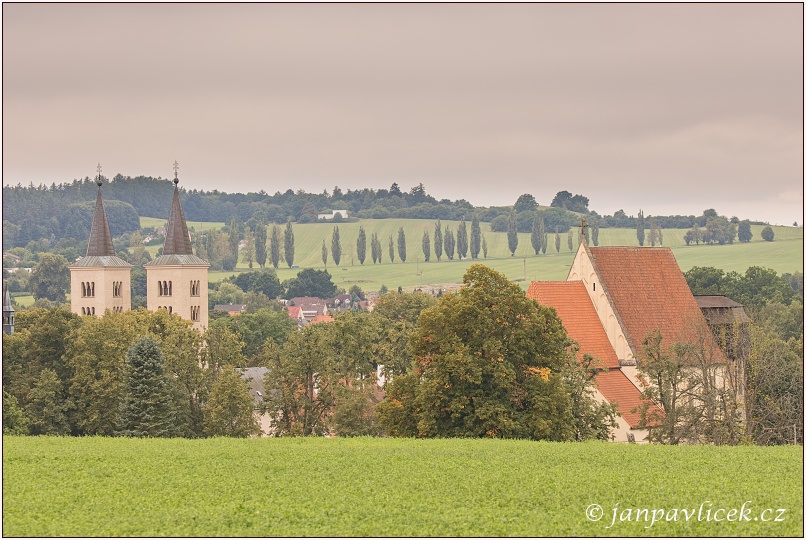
(392, 487)
(785, 254)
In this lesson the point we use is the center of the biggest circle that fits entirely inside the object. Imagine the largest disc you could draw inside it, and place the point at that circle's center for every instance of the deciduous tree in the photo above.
(426, 246)
(274, 249)
(401, 244)
(50, 278)
(450, 242)
(228, 411)
(260, 244)
(461, 239)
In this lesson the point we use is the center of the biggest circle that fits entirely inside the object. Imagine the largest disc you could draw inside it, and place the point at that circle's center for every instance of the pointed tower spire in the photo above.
(177, 238)
(8, 312)
(100, 243)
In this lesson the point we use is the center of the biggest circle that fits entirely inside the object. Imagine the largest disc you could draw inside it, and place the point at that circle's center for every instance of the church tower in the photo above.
(177, 279)
(100, 280)
(8, 312)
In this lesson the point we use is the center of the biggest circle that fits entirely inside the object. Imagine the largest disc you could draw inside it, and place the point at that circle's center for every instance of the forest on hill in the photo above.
(63, 211)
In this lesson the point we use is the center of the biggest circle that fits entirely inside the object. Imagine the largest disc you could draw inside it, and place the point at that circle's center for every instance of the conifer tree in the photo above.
(391, 249)
(288, 245)
(324, 253)
(537, 238)
(426, 246)
(335, 245)
(274, 248)
(475, 237)
(438, 240)
(260, 244)
(639, 231)
(450, 242)
(401, 244)
(146, 410)
(512, 233)
(375, 248)
(557, 239)
(653, 232)
(484, 245)
(595, 231)
(249, 247)
(361, 245)
(541, 231)
(570, 241)
(461, 239)
(233, 238)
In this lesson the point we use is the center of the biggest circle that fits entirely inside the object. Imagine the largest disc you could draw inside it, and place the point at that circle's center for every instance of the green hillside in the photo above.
(785, 254)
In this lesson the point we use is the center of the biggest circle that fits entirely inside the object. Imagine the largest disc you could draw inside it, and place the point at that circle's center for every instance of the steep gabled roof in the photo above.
(578, 316)
(617, 388)
(177, 239)
(648, 291)
(100, 244)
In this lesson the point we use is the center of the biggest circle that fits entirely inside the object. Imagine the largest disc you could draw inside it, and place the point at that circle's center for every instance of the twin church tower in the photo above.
(175, 281)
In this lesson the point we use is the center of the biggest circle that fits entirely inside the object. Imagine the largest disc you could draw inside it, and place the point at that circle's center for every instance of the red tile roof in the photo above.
(619, 390)
(649, 292)
(576, 311)
(294, 312)
(322, 318)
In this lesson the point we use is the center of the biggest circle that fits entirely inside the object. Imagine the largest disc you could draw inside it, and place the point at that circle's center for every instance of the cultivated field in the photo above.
(785, 254)
(394, 487)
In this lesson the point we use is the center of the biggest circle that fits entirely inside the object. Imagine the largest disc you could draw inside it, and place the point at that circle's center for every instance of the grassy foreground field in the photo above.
(395, 487)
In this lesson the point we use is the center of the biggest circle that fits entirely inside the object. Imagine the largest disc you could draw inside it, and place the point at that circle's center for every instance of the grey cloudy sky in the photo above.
(672, 108)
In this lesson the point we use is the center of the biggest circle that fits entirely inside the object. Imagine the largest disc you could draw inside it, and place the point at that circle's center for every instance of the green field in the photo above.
(393, 487)
(785, 254)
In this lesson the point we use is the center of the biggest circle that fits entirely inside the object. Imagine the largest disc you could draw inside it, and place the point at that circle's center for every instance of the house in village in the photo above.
(231, 309)
(612, 299)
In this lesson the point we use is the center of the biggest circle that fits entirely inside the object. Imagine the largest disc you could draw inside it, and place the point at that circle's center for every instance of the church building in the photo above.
(177, 279)
(100, 280)
(612, 299)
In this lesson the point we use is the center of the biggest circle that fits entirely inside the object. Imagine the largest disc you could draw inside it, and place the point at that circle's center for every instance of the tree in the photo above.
(537, 236)
(595, 231)
(484, 245)
(524, 203)
(233, 238)
(426, 246)
(46, 408)
(438, 240)
(475, 237)
(745, 233)
(324, 253)
(766, 233)
(14, 420)
(375, 248)
(50, 278)
(335, 245)
(653, 232)
(391, 249)
(146, 410)
(401, 243)
(288, 245)
(229, 409)
(557, 240)
(570, 241)
(260, 244)
(249, 247)
(512, 234)
(561, 199)
(361, 245)
(450, 243)
(274, 248)
(488, 362)
(639, 231)
(461, 239)
(310, 282)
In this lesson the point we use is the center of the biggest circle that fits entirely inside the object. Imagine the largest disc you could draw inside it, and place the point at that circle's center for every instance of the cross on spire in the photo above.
(582, 226)
(99, 175)
(176, 172)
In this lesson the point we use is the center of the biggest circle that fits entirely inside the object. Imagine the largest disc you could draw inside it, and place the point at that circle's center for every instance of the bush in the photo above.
(767, 234)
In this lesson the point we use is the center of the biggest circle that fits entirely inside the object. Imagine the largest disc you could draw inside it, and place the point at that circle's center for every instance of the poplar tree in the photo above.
(475, 237)
(639, 231)
(484, 245)
(450, 242)
(537, 238)
(361, 245)
(335, 245)
(375, 247)
(146, 410)
(289, 244)
(274, 247)
(260, 244)
(438, 240)
(570, 241)
(249, 246)
(512, 233)
(461, 239)
(233, 239)
(653, 232)
(541, 230)
(401, 244)
(426, 246)
(324, 253)
(595, 232)
(391, 249)
(557, 239)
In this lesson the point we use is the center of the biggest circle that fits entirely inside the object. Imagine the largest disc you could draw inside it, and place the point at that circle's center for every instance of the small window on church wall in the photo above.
(594, 286)
(194, 313)
(194, 288)
(117, 287)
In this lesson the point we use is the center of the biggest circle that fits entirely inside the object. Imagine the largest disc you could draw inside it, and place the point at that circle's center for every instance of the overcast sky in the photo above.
(670, 108)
